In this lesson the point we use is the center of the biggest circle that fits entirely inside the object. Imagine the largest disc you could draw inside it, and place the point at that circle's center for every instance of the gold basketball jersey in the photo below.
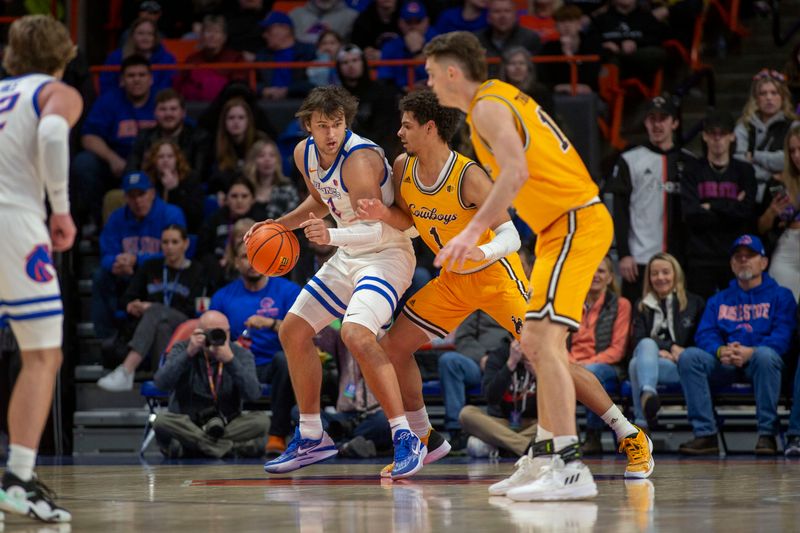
(558, 180)
(439, 211)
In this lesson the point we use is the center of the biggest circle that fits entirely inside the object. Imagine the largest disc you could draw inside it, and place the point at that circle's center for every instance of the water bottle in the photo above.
(245, 340)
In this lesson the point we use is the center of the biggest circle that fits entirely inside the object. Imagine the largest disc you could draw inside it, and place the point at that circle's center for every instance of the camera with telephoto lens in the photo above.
(212, 421)
(215, 337)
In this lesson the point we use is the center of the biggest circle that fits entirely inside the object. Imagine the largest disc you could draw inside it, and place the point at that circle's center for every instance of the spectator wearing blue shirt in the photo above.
(415, 32)
(258, 305)
(143, 40)
(281, 46)
(109, 132)
(470, 17)
(744, 332)
(131, 236)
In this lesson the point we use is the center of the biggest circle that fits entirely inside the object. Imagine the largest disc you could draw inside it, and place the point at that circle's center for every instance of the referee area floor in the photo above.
(107, 494)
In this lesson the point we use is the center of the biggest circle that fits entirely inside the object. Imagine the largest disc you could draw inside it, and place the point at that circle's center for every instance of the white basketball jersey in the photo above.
(22, 184)
(329, 185)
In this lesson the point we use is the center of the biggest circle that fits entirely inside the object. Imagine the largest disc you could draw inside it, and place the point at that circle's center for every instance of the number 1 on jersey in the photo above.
(547, 121)
(436, 238)
(333, 209)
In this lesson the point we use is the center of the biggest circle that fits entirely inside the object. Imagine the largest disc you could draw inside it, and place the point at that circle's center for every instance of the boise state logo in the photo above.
(39, 264)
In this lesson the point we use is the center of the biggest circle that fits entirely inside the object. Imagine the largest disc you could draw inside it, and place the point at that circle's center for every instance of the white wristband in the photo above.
(506, 241)
(53, 140)
(356, 234)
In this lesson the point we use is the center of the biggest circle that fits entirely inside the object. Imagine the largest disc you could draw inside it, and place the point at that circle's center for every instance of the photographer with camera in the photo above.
(209, 378)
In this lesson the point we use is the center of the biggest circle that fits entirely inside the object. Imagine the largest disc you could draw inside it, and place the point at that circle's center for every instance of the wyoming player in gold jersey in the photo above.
(441, 190)
(535, 168)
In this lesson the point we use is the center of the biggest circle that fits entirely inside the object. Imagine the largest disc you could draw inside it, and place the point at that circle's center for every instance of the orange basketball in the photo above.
(273, 250)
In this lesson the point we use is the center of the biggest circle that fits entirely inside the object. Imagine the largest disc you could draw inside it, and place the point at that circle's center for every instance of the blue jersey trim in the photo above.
(32, 316)
(31, 300)
(322, 302)
(35, 99)
(375, 288)
(309, 142)
(382, 282)
(329, 292)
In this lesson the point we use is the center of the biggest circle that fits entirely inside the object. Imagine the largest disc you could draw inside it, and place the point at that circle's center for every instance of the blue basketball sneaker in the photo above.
(409, 454)
(301, 452)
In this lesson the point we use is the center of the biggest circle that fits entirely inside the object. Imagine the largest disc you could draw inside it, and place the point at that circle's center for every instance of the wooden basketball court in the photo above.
(734, 494)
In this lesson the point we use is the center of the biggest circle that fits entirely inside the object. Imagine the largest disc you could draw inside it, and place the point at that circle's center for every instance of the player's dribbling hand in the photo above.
(254, 227)
(371, 209)
(62, 232)
(316, 230)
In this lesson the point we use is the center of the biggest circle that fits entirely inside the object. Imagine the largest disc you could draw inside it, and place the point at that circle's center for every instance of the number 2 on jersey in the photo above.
(7, 103)
(436, 238)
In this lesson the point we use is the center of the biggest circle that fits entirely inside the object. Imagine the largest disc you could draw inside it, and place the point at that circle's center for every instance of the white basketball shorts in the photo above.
(30, 297)
(364, 289)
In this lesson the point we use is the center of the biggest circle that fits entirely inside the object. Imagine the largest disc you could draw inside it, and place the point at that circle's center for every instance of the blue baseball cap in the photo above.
(413, 11)
(133, 181)
(276, 17)
(749, 241)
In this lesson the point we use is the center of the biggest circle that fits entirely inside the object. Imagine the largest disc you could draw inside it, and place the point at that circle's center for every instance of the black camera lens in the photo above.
(216, 337)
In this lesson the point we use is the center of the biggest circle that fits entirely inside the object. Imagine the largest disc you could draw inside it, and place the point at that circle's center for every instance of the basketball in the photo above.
(273, 250)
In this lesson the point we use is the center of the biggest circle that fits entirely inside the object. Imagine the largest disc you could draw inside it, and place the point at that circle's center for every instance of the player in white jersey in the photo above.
(361, 284)
(36, 113)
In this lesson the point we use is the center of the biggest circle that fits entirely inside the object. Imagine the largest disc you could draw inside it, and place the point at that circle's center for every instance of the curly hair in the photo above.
(425, 107)
(463, 47)
(150, 162)
(330, 101)
(37, 43)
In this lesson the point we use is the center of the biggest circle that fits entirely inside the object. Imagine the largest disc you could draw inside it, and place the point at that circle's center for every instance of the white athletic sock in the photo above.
(310, 426)
(21, 461)
(617, 422)
(562, 441)
(418, 420)
(398, 423)
(542, 434)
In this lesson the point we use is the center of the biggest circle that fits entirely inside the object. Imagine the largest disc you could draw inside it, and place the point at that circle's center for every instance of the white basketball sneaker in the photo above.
(527, 468)
(557, 480)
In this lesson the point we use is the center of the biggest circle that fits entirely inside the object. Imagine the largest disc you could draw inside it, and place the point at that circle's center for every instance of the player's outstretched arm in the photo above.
(495, 124)
(61, 107)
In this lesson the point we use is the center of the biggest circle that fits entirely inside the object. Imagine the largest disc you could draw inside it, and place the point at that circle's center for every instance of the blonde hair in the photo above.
(791, 173)
(38, 43)
(679, 280)
(751, 107)
(226, 153)
(240, 227)
(251, 167)
(612, 286)
(127, 49)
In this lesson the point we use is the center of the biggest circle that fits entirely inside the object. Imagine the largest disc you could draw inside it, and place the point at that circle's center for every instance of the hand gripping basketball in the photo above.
(272, 249)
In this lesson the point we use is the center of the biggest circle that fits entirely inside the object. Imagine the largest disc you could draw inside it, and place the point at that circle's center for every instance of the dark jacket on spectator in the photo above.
(762, 316)
(244, 31)
(710, 232)
(184, 285)
(376, 118)
(499, 384)
(519, 36)
(552, 74)
(639, 26)
(142, 238)
(479, 334)
(215, 232)
(681, 325)
(647, 204)
(186, 378)
(370, 30)
(188, 195)
(193, 142)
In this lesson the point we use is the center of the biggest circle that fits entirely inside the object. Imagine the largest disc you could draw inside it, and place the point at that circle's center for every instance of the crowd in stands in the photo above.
(707, 245)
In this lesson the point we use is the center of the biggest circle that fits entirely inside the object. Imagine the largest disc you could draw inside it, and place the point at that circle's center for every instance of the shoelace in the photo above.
(405, 443)
(633, 449)
(524, 467)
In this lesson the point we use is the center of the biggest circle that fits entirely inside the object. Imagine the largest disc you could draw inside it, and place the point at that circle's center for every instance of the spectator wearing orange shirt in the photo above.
(601, 340)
